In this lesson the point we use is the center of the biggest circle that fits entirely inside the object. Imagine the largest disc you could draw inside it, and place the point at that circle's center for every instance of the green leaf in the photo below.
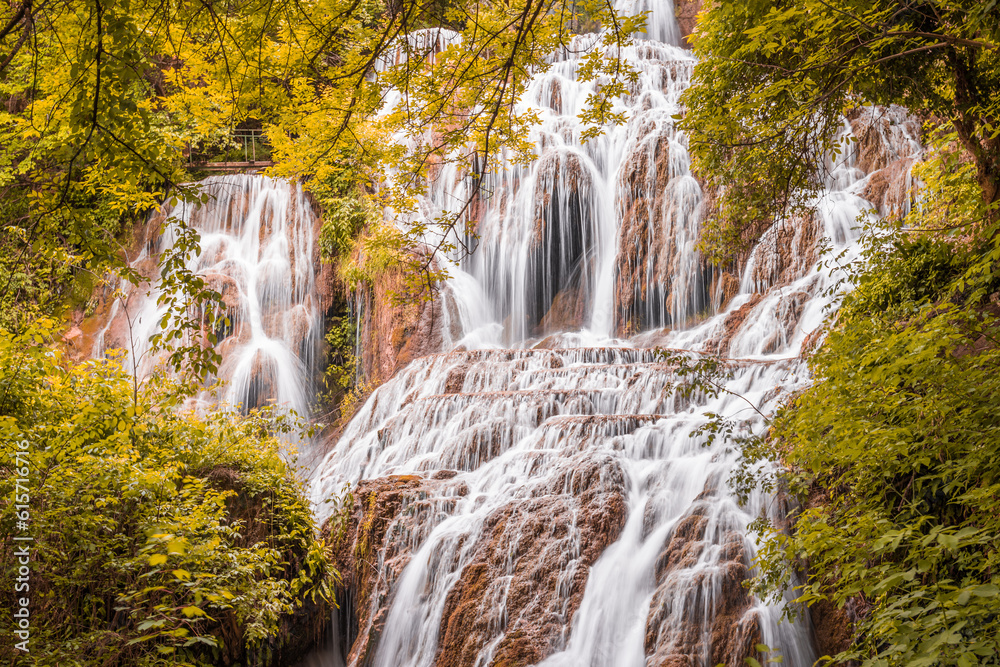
(191, 612)
(986, 590)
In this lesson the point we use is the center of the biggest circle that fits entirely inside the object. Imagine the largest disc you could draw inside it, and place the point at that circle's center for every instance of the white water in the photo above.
(607, 230)
(257, 238)
(523, 421)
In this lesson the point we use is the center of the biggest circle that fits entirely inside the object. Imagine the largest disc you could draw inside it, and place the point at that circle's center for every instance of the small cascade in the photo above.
(257, 251)
(597, 236)
(540, 494)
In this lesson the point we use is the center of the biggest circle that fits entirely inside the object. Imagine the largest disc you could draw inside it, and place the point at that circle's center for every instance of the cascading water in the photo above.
(548, 502)
(538, 495)
(256, 250)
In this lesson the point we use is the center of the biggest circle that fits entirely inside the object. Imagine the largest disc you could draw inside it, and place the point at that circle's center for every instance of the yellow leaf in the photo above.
(157, 559)
(192, 611)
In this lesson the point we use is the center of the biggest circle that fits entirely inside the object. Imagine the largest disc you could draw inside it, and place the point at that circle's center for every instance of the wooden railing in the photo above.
(252, 142)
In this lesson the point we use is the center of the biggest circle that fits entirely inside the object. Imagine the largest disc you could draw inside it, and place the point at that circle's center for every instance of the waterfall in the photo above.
(257, 251)
(540, 494)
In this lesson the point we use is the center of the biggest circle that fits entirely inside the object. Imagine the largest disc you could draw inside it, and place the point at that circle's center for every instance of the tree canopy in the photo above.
(103, 97)
(774, 80)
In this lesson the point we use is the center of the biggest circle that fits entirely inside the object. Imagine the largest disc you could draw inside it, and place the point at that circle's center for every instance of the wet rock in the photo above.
(833, 628)
(555, 95)
(725, 286)
(644, 179)
(883, 136)
(686, 12)
(658, 276)
(567, 313)
(891, 189)
(234, 307)
(297, 329)
(361, 537)
(527, 576)
(700, 611)
(262, 381)
(788, 313)
(786, 252)
(456, 379)
(731, 325)
(397, 325)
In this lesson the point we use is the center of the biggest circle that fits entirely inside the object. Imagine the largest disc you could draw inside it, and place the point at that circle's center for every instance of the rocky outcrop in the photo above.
(700, 612)
(108, 318)
(368, 556)
(891, 189)
(643, 260)
(517, 590)
(527, 576)
(398, 325)
(833, 628)
(887, 145)
(658, 275)
(719, 344)
(883, 135)
(725, 285)
(786, 252)
(686, 12)
(568, 311)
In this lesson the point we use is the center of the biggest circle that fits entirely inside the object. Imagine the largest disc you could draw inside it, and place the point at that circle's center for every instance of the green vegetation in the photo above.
(894, 453)
(160, 536)
(775, 78)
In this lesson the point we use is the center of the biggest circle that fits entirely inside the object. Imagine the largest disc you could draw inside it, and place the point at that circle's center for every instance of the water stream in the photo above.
(558, 507)
(567, 514)
(256, 250)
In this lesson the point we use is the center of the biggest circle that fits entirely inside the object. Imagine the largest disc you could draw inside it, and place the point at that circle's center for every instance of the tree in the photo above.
(157, 536)
(102, 96)
(775, 78)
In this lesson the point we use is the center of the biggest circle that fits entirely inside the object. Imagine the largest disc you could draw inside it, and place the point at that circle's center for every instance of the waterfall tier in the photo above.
(257, 251)
(553, 507)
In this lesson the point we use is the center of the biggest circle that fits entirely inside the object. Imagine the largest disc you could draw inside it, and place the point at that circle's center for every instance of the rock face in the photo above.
(396, 327)
(786, 252)
(521, 584)
(833, 627)
(700, 582)
(659, 279)
(108, 326)
(888, 144)
(533, 559)
(369, 556)
(643, 259)
(686, 12)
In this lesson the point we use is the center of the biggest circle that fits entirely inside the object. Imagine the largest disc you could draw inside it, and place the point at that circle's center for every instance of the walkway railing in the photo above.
(252, 144)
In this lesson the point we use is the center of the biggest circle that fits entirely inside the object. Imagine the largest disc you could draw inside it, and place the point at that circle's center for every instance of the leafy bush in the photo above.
(160, 536)
(343, 219)
(895, 455)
